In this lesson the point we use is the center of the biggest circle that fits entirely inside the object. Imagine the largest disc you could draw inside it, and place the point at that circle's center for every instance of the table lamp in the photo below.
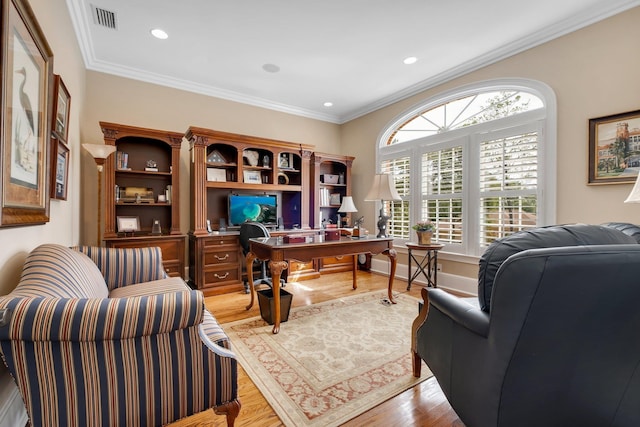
(347, 206)
(99, 152)
(383, 188)
(634, 196)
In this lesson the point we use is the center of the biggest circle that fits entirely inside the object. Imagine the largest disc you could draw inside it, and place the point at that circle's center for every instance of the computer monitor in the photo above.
(253, 207)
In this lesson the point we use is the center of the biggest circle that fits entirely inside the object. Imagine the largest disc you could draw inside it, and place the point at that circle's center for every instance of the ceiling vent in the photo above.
(104, 18)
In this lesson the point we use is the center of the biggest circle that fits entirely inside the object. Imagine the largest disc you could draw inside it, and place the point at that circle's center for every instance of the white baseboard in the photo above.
(12, 410)
(464, 285)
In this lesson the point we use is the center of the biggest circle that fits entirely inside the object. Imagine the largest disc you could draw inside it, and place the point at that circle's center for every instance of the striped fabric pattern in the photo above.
(132, 360)
(56, 271)
(124, 266)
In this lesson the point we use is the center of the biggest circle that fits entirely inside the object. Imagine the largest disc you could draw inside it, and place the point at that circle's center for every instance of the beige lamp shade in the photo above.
(347, 205)
(634, 196)
(99, 151)
(383, 188)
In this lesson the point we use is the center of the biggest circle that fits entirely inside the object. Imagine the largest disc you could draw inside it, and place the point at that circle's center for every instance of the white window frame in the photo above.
(543, 121)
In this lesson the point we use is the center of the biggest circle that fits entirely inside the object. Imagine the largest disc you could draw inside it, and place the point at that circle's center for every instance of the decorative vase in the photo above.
(424, 237)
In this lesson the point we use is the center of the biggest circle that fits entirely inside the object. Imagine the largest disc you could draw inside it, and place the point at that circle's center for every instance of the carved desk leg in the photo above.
(391, 253)
(276, 270)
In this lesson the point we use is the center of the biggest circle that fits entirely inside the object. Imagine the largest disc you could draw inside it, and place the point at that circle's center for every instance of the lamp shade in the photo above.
(99, 151)
(634, 196)
(383, 188)
(347, 205)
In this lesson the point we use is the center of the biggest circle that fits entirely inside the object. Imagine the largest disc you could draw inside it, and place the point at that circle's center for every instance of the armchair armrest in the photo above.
(461, 312)
(126, 266)
(95, 319)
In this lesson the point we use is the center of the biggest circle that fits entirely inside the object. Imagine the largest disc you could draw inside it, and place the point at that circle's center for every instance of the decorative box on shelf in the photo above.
(294, 238)
(330, 178)
(332, 234)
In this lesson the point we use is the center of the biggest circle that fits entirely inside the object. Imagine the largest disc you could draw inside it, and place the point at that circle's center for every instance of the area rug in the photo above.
(331, 361)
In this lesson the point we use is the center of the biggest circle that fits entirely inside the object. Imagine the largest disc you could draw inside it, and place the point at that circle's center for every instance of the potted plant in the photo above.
(424, 229)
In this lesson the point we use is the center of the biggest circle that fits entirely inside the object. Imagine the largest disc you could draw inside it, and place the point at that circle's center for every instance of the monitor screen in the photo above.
(249, 207)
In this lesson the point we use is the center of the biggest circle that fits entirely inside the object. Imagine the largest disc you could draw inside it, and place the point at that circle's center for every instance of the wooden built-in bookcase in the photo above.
(144, 166)
(223, 163)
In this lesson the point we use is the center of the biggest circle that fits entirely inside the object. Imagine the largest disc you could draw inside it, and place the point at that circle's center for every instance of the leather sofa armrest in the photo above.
(461, 312)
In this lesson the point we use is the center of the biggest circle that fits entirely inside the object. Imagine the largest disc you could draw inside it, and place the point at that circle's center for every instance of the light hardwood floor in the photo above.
(422, 405)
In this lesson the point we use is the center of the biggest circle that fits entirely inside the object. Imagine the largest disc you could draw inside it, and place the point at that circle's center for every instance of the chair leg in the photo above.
(230, 409)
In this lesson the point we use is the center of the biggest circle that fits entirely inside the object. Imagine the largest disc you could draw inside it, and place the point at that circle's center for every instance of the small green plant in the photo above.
(423, 226)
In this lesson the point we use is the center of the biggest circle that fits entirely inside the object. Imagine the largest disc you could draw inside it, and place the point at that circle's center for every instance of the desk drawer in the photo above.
(223, 275)
(217, 241)
(216, 256)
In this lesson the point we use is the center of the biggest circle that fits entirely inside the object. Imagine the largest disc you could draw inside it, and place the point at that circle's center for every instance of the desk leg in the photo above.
(355, 271)
(276, 271)
(250, 258)
(391, 253)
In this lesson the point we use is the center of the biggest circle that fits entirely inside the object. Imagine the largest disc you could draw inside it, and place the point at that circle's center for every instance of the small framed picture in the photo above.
(252, 177)
(216, 175)
(285, 161)
(334, 199)
(128, 224)
(61, 108)
(59, 169)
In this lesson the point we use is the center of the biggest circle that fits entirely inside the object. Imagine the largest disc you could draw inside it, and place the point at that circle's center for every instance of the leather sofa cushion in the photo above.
(542, 237)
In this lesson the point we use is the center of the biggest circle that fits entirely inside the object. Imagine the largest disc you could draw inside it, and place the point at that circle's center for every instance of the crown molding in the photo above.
(597, 13)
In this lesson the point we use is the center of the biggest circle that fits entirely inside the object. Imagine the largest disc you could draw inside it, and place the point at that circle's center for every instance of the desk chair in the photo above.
(250, 230)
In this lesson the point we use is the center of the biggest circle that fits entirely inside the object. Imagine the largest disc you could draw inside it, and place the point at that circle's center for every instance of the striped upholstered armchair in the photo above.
(102, 337)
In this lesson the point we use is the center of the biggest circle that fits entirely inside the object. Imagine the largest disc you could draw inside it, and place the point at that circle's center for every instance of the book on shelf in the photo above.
(122, 160)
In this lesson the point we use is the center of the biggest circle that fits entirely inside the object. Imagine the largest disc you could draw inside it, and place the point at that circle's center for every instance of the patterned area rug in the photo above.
(331, 361)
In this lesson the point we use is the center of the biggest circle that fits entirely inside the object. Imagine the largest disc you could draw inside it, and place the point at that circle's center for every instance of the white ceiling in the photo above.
(348, 52)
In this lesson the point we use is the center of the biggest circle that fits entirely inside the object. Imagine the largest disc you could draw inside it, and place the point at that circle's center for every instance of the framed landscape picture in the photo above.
(614, 148)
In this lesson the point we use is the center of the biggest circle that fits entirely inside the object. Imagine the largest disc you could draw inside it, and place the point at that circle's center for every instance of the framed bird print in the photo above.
(27, 63)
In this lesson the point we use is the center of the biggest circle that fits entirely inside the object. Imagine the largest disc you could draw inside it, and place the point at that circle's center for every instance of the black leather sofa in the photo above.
(556, 340)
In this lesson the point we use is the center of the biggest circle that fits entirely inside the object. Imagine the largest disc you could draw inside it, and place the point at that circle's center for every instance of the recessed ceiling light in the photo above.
(159, 34)
(271, 68)
(328, 104)
(410, 60)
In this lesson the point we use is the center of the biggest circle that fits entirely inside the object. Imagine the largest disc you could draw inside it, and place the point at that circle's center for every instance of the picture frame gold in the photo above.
(27, 73)
(614, 148)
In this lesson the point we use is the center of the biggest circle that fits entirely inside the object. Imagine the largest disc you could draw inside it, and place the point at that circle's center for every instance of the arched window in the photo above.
(478, 161)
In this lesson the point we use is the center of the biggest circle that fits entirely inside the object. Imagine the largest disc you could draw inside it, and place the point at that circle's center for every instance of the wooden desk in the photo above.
(426, 265)
(278, 253)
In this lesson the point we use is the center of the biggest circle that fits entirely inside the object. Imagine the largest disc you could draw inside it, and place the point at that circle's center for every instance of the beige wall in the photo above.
(594, 73)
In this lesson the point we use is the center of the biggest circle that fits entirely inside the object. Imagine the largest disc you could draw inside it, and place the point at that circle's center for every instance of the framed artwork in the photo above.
(61, 109)
(25, 139)
(285, 161)
(614, 148)
(252, 177)
(128, 224)
(59, 169)
(334, 199)
(216, 175)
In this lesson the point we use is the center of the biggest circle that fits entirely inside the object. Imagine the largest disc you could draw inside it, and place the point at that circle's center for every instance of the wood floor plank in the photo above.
(423, 405)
